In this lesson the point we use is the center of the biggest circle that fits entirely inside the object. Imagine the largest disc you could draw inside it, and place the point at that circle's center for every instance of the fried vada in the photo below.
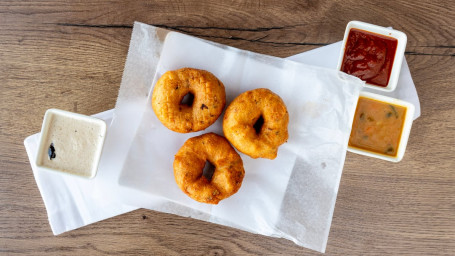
(188, 100)
(189, 165)
(256, 123)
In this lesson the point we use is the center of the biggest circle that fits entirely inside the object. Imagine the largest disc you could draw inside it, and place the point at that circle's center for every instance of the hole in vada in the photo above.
(258, 125)
(187, 99)
(208, 170)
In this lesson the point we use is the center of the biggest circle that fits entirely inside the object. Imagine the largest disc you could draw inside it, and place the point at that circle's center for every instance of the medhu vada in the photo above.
(256, 123)
(207, 103)
(189, 163)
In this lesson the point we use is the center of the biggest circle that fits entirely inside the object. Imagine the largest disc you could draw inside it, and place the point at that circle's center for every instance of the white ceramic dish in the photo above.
(399, 53)
(77, 142)
(407, 124)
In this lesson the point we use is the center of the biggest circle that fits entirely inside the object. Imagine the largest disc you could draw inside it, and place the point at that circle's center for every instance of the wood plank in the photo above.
(70, 55)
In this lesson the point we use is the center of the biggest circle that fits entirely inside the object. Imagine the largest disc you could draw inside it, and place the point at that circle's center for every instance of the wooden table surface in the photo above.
(70, 55)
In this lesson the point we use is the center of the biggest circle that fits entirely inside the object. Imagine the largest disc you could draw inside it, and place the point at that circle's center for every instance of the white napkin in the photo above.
(73, 202)
(327, 57)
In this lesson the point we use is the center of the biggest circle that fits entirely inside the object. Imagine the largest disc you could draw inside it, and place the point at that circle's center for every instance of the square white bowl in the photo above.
(78, 152)
(407, 124)
(399, 53)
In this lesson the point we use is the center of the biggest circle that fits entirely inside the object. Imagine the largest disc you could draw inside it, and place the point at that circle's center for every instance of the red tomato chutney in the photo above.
(377, 126)
(369, 56)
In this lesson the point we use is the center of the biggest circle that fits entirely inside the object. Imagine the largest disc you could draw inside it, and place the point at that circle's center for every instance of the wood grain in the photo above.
(70, 55)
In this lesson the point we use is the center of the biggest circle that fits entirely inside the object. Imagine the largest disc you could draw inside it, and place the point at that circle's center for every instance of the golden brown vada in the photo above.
(256, 123)
(189, 163)
(197, 114)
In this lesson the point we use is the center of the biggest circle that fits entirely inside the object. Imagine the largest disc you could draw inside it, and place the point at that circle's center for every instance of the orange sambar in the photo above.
(377, 126)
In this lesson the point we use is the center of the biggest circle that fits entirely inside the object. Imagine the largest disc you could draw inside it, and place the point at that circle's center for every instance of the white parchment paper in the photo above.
(292, 196)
